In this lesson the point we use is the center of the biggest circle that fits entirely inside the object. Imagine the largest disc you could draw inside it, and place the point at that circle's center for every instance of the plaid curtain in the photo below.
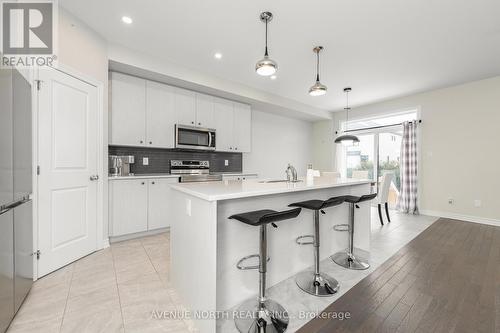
(407, 201)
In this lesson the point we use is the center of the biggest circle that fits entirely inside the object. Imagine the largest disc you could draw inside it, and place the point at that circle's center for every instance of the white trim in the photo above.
(466, 218)
(105, 243)
(140, 234)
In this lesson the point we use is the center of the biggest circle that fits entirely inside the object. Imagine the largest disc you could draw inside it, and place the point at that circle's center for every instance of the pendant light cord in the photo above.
(266, 53)
(347, 110)
(317, 66)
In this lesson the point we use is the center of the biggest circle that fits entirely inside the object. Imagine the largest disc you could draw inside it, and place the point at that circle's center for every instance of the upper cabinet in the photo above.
(223, 114)
(128, 116)
(242, 127)
(205, 111)
(160, 115)
(185, 107)
(144, 113)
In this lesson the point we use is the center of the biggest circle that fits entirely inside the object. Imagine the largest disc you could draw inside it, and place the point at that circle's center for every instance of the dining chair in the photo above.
(383, 195)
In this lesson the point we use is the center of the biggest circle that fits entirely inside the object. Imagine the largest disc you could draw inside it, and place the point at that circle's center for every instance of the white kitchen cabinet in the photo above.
(223, 115)
(185, 107)
(128, 105)
(242, 128)
(205, 111)
(160, 115)
(159, 209)
(128, 206)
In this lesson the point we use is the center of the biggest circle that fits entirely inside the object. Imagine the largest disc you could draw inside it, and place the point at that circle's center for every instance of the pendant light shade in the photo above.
(347, 139)
(266, 66)
(317, 89)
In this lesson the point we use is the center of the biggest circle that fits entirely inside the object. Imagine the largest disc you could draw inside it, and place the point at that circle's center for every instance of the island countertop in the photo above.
(235, 189)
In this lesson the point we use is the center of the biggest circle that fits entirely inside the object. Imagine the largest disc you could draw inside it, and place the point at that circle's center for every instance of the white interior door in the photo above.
(68, 152)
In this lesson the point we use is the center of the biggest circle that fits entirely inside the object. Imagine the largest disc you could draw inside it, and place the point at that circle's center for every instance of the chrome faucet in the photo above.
(291, 173)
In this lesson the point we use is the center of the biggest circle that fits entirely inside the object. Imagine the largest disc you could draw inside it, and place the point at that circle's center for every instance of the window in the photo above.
(379, 148)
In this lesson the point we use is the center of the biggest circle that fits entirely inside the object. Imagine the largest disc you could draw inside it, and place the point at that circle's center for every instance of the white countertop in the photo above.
(168, 175)
(234, 189)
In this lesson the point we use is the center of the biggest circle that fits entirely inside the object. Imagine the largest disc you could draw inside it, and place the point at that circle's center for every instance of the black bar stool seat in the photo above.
(315, 282)
(266, 315)
(346, 258)
(265, 216)
(319, 204)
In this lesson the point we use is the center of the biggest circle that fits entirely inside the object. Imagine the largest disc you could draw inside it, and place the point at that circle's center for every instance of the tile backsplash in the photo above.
(159, 159)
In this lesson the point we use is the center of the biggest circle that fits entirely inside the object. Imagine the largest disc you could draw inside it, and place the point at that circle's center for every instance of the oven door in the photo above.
(188, 137)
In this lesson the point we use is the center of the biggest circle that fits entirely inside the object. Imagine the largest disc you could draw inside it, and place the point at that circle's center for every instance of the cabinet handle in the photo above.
(141, 141)
(150, 142)
(142, 183)
(231, 148)
(192, 122)
(153, 183)
(236, 148)
(199, 124)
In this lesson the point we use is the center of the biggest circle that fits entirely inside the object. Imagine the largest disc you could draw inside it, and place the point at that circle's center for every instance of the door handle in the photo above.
(94, 177)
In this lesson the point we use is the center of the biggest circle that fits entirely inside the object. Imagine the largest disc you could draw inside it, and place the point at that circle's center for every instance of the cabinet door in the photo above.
(129, 206)
(205, 111)
(159, 209)
(128, 110)
(223, 114)
(185, 107)
(242, 128)
(160, 115)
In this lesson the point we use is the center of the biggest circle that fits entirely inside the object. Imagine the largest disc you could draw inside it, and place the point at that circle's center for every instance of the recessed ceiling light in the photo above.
(273, 77)
(218, 55)
(126, 19)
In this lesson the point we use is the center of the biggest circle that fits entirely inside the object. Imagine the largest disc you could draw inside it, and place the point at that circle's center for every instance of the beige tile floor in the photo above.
(113, 290)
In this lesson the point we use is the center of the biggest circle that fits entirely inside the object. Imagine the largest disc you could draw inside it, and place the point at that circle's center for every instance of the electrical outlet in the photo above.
(477, 203)
(226, 162)
(145, 161)
(451, 201)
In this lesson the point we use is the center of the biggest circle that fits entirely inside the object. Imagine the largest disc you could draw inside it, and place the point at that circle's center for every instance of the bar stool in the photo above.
(347, 259)
(315, 282)
(267, 315)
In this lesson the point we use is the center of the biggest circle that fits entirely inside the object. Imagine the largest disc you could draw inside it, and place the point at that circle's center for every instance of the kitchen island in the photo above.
(206, 245)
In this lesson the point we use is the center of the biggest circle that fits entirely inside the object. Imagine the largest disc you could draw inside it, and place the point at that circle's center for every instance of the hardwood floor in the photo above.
(445, 280)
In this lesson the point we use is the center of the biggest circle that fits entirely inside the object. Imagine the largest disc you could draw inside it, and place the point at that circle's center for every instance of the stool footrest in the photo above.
(299, 240)
(240, 265)
(341, 227)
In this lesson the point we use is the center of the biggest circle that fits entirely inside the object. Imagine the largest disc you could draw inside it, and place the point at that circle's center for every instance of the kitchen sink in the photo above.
(280, 181)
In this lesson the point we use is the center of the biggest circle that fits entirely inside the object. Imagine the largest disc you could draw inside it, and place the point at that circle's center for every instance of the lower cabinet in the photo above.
(137, 205)
(159, 210)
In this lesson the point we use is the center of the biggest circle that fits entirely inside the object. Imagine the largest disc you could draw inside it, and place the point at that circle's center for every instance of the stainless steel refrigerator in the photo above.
(16, 208)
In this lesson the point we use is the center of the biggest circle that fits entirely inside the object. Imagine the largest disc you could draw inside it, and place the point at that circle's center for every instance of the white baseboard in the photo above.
(466, 218)
(105, 243)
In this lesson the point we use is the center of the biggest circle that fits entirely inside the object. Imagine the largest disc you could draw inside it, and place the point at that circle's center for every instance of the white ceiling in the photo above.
(382, 48)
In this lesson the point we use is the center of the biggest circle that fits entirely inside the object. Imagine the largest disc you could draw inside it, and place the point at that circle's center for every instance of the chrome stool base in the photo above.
(317, 285)
(252, 318)
(349, 261)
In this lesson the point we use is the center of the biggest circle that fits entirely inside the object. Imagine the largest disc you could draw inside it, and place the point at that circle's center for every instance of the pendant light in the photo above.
(317, 89)
(266, 66)
(347, 139)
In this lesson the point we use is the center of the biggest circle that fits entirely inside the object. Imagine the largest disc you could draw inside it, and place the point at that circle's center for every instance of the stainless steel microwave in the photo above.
(188, 137)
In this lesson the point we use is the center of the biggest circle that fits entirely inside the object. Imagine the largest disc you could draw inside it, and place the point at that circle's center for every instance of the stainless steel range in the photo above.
(193, 171)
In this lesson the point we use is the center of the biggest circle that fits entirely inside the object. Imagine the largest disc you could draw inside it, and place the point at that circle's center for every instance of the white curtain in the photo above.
(408, 196)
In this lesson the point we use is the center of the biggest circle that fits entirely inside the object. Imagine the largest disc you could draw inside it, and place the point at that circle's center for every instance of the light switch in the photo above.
(226, 162)
(145, 161)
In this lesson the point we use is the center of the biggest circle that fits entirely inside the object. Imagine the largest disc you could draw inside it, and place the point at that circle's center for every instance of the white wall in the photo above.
(459, 147)
(277, 141)
(85, 51)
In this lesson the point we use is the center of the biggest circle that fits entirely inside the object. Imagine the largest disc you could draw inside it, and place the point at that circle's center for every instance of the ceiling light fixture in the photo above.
(273, 77)
(346, 139)
(218, 55)
(126, 19)
(317, 89)
(266, 66)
